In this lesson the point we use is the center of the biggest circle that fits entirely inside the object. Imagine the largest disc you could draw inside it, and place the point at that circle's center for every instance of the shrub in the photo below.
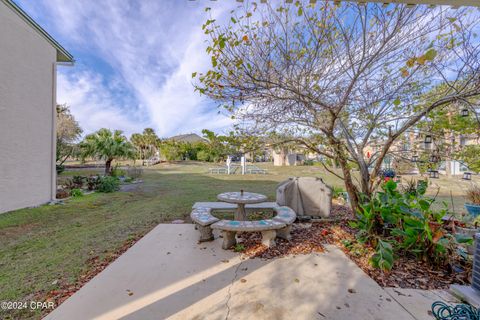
(308, 162)
(203, 155)
(93, 183)
(78, 181)
(75, 193)
(69, 184)
(473, 195)
(239, 247)
(108, 184)
(134, 172)
(337, 192)
(405, 223)
(60, 168)
(116, 172)
(414, 187)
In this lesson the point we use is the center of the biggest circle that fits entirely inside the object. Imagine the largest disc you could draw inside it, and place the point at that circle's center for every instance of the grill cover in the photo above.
(307, 196)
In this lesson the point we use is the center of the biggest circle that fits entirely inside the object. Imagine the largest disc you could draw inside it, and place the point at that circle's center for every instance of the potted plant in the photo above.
(473, 200)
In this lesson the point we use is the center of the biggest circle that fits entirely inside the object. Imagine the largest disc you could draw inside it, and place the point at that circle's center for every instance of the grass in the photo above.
(51, 245)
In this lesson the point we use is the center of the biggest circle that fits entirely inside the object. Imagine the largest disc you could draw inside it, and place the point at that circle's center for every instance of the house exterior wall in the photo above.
(27, 114)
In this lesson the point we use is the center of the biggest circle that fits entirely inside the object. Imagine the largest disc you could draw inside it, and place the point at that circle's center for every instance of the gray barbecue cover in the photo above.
(307, 196)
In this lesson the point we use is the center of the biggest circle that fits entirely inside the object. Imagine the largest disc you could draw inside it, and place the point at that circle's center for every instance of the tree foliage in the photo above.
(470, 155)
(345, 75)
(68, 132)
(108, 146)
(447, 126)
(146, 143)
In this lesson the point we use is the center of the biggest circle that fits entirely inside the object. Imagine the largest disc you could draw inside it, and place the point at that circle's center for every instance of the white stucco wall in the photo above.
(27, 118)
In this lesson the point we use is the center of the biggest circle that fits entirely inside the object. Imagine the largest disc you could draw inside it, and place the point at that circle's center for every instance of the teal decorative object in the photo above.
(473, 209)
(442, 311)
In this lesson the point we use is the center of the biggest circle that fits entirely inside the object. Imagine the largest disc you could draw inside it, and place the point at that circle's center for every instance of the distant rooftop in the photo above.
(189, 137)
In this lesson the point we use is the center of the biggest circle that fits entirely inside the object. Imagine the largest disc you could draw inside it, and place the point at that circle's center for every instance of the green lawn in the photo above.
(52, 244)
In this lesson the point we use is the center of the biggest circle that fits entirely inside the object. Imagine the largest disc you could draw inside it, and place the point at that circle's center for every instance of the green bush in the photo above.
(337, 192)
(308, 162)
(93, 182)
(404, 223)
(78, 181)
(116, 172)
(203, 155)
(108, 184)
(75, 193)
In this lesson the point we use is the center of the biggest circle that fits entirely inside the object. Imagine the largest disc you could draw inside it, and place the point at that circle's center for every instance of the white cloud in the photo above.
(151, 49)
(92, 103)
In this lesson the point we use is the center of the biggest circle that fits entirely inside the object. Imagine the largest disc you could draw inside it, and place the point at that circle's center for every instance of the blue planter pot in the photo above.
(473, 209)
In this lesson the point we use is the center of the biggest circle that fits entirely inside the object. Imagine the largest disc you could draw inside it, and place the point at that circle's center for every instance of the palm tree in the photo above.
(107, 145)
(138, 141)
(146, 143)
(151, 140)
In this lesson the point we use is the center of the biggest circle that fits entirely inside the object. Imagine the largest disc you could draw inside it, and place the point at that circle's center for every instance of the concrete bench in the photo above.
(285, 215)
(278, 226)
(229, 229)
(203, 218)
(231, 206)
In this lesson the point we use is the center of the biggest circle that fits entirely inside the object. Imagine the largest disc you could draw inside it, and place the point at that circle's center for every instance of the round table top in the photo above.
(238, 197)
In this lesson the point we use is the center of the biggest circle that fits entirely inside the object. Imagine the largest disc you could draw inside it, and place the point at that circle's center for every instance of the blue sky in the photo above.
(134, 61)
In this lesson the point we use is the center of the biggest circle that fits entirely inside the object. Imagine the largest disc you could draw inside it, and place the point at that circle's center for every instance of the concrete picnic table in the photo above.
(241, 199)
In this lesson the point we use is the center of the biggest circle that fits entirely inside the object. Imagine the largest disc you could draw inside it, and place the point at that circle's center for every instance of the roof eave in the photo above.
(63, 56)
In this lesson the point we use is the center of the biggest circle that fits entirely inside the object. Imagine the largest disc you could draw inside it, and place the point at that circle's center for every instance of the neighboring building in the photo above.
(189, 138)
(28, 60)
(414, 144)
(288, 155)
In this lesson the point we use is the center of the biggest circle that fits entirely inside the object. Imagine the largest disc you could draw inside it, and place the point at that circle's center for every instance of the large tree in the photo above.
(146, 143)
(345, 75)
(68, 132)
(108, 146)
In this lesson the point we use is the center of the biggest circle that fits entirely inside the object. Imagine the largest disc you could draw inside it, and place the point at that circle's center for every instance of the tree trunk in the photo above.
(108, 166)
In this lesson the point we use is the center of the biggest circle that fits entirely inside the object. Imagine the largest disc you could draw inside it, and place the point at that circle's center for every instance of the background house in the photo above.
(28, 61)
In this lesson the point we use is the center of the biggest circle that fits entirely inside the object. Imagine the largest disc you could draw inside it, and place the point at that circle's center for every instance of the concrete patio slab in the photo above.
(168, 275)
(419, 302)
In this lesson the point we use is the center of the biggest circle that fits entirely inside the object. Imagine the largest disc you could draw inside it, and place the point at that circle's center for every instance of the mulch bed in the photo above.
(407, 272)
(304, 240)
